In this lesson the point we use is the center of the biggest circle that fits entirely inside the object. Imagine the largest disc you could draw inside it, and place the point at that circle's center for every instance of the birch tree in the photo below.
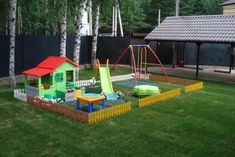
(63, 30)
(78, 28)
(95, 37)
(47, 20)
(7, 19)
(19, 20)
(12, 26)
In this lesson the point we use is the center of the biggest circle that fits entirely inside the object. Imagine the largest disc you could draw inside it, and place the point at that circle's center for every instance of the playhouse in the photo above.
(52, 77)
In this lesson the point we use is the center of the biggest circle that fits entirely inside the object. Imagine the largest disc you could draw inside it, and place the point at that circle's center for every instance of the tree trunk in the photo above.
(63, 35)
(47, 21)
(55, 26)
(78, 25)
(95, 38)
(12, 25)
(6, 32)
(19, 21)
(90, 17)
(7, 19)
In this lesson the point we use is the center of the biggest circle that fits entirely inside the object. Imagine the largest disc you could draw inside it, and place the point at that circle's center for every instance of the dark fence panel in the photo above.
(210, 54)
(4, 59)
(31, 50)
(111, 48)
(37, 48)
(86, 42)
(165, 50)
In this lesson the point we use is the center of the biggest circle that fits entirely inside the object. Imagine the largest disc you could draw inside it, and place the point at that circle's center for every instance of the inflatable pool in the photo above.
(146, 90)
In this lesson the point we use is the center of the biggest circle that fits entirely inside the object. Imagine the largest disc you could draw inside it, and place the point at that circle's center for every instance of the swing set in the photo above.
(139, 65)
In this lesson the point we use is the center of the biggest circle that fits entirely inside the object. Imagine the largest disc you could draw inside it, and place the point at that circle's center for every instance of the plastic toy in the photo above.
(90, 100)
(55, 76)
(146, 90)
(106, 83)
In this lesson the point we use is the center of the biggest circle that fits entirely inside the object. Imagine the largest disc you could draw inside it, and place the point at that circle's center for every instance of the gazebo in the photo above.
(197, 29)
(228, 7)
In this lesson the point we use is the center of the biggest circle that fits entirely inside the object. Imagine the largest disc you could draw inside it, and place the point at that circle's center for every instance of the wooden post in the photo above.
(39, 86)
(184, 52)
(25, 80)
(74, 77)
(198, 56)
(231, 53)
(146, 59)
(174, 56)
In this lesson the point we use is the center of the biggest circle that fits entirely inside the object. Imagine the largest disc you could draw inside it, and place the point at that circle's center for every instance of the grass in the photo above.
(196, 124)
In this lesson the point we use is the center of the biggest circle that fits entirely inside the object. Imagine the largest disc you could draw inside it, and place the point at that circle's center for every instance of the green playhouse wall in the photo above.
(58, 84)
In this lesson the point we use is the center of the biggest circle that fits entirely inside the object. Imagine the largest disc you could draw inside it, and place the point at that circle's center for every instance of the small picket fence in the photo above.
(20, 95)
(193, 87)
(85, 83)
(157, 98)
(122, 77)
(109, 112)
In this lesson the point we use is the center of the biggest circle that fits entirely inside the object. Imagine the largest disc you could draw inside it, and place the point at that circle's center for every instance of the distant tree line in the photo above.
(187, 8)
(43, 17)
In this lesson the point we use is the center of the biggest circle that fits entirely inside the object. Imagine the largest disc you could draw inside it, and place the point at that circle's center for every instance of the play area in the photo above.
(52, 85)
(117, 78)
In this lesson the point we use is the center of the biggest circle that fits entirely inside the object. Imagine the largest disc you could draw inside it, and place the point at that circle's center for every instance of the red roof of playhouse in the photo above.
(48, 65)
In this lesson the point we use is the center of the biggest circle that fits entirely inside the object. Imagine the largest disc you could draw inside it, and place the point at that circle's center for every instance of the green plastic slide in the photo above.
(106, 83)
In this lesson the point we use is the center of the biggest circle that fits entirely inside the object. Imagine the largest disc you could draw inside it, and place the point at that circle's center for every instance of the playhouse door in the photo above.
(69, 76)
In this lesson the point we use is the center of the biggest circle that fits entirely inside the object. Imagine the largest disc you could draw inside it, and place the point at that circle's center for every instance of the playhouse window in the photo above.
(69, 76)
(59, 77)
(33, 81)
(47, 79)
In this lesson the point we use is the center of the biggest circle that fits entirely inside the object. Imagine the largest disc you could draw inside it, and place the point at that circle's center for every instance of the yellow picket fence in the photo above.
(157, 98)
(193, 87)
(108, 112)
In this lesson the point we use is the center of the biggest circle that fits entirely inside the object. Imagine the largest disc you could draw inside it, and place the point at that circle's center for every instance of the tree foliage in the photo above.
(187, 8)
(137, 15)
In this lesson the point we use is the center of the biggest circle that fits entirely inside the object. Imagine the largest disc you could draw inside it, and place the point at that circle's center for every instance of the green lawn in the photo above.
(196, 124)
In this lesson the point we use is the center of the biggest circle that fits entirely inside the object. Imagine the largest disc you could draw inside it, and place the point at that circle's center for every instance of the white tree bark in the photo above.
(63, 30)
(90, 17)
(12, 25)
(78, 25)
(95, 38)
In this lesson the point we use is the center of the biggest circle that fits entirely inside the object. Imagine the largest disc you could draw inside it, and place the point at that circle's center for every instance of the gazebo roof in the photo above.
(229, 2)
(209, 28)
